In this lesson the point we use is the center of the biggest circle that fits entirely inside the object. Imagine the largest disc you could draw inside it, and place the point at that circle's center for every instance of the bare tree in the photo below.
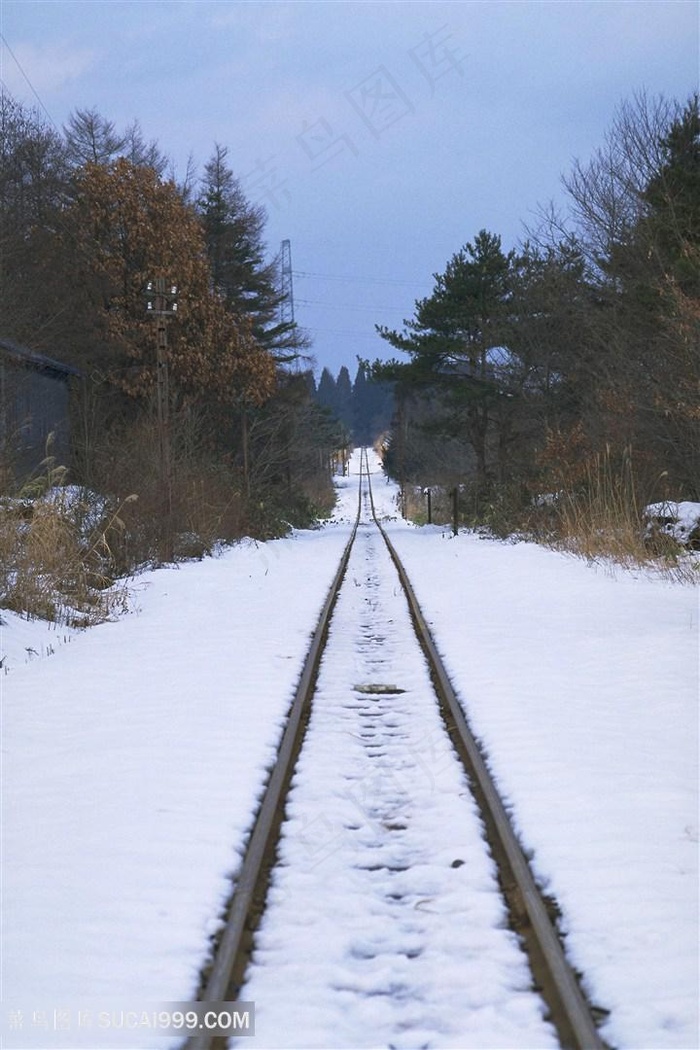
(607, 193)
(92, 139)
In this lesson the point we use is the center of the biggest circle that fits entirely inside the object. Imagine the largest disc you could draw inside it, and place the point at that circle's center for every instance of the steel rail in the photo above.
(569, 1011)
(225, 975)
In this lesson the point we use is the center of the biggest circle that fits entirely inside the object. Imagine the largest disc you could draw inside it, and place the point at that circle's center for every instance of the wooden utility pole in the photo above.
(161, 303)
(402, 429)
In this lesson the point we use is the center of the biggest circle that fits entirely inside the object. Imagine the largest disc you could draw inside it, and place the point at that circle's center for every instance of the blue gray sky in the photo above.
(380, 137)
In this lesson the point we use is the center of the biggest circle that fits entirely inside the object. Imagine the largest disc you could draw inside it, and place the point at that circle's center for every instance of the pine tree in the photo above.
(310, 381)
(361, 408)
(344, 409)
(233, 230)
(373, 406)
(637, 203)
(327, 394)
(34, 184)
(673, 196)
(451, 337)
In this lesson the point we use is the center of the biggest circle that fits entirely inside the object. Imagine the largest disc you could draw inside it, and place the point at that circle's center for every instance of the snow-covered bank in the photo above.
(132, 761)
(583, 688)
(133, 757)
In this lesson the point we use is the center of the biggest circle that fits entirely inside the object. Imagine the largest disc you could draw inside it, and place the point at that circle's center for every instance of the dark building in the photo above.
(34, 398)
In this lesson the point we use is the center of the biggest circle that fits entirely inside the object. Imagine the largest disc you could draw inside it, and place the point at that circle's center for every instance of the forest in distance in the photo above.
(553, 384)
(363, 407)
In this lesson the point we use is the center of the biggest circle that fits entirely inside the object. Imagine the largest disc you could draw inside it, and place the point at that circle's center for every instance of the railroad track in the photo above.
(381, 817)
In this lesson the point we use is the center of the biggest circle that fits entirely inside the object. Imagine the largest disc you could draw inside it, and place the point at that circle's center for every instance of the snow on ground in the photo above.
(583, 688)
(23, 641)
(680, 521)
(132, 759)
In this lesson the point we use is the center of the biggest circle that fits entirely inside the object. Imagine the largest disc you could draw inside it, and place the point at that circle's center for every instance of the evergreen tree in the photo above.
(233, 230)
(638, 208)
(344, 404)
(451, 341)
(310, 381)
(327, 394)
(361, 408)
(673, 197)
(34, 184)
(373, 404)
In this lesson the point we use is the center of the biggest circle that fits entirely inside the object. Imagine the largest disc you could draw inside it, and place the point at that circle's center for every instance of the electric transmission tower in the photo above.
(287, 288)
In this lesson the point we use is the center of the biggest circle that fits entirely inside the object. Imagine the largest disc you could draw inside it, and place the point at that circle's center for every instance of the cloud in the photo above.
(45, 68)
(378, 135)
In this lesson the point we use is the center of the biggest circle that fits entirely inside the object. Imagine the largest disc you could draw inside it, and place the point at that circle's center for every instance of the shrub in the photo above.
(53, 566)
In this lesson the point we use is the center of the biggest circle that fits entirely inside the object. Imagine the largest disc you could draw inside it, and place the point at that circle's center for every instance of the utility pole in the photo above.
(161, 303)
(401, 427)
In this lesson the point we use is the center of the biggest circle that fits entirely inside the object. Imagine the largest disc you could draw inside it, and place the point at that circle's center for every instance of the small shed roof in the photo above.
(39, 362)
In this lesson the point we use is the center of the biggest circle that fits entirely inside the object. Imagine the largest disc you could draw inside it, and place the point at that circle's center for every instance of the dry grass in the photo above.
(603, 516)
(50, 568)
(602, 519)
(62, 548)
(416, 504)
(595, 512)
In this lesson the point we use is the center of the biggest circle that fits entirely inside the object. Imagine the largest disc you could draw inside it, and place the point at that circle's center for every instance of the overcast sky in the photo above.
(380, 137)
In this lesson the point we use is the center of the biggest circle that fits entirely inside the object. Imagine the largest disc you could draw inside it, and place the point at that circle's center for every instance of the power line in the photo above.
(31, 86)
(347, 277)
(350, 306)
(355, 333)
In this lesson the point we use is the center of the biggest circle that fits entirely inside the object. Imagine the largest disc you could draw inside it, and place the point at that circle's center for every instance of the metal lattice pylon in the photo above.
(286, 286)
